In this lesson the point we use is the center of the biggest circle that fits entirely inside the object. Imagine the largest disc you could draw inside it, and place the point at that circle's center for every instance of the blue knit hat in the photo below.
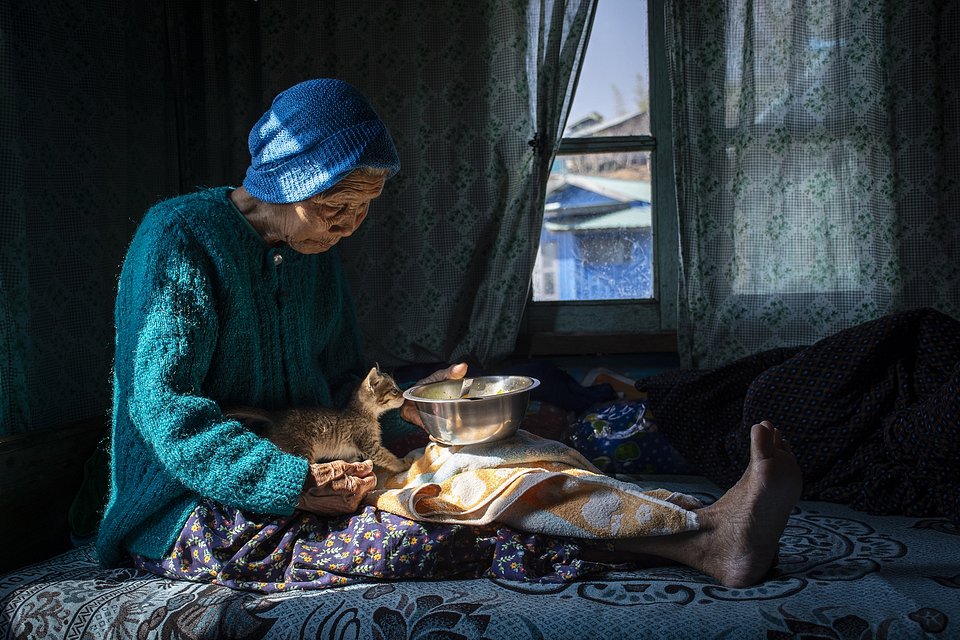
(313, 135)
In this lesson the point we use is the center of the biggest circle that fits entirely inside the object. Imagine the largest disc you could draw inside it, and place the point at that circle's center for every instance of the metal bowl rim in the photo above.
(409, 393)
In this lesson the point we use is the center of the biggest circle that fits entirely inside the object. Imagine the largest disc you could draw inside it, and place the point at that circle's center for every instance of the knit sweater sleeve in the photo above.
(175, 338)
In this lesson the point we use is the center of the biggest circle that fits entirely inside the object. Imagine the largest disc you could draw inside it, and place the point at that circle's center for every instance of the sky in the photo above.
(616, 53)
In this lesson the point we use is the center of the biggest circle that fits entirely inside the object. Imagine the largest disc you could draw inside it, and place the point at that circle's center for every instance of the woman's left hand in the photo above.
(454, 372)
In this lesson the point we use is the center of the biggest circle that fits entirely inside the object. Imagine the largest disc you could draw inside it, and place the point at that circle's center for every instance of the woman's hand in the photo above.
(454, 372)
(336, 488)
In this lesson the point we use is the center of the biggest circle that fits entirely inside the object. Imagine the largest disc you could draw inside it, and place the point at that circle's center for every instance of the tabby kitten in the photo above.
(321, 433)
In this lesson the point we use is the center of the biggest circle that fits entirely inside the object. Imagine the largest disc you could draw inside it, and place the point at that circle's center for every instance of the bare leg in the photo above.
(739, 534)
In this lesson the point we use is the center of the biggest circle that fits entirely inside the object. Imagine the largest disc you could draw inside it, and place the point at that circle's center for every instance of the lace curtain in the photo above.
(87, 145)
(444, 270)
(817, 150)
(108, 107)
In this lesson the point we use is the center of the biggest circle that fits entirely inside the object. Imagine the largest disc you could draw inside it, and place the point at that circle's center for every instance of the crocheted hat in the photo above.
(313, 135)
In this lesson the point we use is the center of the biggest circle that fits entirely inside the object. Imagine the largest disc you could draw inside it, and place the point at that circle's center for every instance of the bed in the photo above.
(845, 572)
(842, 574)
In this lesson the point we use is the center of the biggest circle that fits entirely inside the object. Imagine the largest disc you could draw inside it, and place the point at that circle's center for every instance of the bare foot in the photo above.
(740, 532)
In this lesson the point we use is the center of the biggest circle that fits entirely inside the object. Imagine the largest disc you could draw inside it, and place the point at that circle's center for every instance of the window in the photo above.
(608, 245)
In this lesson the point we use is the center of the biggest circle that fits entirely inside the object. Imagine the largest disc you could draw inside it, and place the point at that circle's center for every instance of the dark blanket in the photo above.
(872, 413)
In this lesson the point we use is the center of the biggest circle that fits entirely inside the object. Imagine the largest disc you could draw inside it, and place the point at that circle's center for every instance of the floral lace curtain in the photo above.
(86, 147)
(108, 107)
(817, 150)
(444, 270)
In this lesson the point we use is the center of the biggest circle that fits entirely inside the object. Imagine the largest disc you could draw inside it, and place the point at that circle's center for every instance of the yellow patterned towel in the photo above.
(532, 484)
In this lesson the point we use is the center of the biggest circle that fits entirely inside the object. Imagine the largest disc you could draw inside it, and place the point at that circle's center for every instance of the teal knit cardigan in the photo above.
(208, 316)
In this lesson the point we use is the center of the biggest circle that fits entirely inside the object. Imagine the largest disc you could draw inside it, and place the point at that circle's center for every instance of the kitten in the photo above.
(321, 433)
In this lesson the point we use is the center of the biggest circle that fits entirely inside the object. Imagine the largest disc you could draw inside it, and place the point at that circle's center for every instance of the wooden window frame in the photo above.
(624, 326)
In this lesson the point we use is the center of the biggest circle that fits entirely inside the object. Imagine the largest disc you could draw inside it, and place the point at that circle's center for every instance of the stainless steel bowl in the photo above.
(473, 410)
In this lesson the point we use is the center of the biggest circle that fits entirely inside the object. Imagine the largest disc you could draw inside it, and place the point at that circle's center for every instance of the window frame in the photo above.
(624, 326)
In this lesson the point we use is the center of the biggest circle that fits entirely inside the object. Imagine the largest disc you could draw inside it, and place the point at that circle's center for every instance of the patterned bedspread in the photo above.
(843, 574)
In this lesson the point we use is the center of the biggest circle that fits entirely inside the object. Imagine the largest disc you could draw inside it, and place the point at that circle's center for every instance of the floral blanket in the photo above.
(531, 484)
(842, 574)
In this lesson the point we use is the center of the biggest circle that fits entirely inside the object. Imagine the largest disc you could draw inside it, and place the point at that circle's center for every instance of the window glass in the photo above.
(597, 237)
(613, 90)
(597, 241)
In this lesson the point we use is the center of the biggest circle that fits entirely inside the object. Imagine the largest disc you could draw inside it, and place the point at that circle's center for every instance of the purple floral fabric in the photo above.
(221, 545)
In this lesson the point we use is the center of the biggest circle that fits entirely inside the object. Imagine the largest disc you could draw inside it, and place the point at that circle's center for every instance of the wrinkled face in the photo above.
(315, 225)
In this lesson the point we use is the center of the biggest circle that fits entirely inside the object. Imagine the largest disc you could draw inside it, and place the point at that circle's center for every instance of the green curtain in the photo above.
(817, 150)
(85, 130)
(444, 270)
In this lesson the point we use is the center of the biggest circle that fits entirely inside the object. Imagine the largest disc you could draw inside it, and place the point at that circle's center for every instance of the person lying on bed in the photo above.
(236, 296)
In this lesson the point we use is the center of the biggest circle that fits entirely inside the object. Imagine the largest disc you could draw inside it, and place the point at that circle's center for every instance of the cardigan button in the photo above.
(277, 259)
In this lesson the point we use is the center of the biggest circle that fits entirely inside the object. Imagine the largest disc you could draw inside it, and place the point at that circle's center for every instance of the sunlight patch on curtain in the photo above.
(812, 161)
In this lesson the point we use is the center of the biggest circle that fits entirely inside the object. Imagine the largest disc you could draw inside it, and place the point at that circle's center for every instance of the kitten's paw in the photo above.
(395, 466)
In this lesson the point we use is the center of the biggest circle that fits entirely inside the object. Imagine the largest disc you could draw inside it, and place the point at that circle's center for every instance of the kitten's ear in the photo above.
(373, 376)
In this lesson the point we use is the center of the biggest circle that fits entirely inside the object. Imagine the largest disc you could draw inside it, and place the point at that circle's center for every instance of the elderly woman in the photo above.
(237, 297)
